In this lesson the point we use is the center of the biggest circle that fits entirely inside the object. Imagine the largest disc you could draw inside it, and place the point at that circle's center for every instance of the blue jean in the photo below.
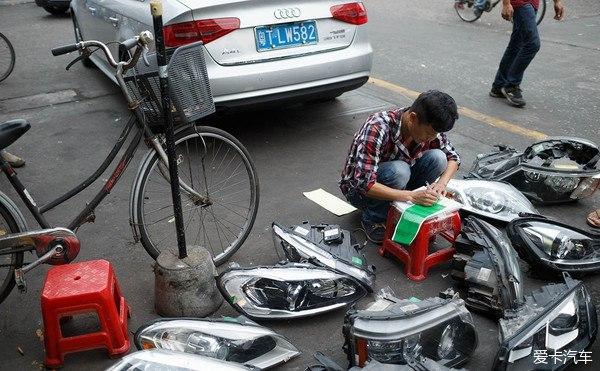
(480, 4)
(399, 175)
(523, 45)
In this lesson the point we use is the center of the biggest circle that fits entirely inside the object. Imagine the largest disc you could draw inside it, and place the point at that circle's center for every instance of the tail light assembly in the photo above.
(354, 13)
(205, 30)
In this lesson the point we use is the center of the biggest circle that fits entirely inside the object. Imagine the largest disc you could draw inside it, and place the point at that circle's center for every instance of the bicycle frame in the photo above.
(87, 214)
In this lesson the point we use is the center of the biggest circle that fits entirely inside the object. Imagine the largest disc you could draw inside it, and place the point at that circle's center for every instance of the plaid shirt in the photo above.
(380, 140)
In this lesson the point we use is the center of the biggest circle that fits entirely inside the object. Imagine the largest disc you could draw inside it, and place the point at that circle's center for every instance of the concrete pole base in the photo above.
(187, 287)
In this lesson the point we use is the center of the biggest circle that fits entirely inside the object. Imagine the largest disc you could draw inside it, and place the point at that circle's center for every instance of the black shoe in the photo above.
(375, 231)
(496, 93)
(513, 95)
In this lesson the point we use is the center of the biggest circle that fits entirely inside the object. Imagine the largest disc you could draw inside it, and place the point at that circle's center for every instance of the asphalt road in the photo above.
(418, 45)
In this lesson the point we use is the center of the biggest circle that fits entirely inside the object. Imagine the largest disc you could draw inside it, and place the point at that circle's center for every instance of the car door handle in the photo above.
(114, 21)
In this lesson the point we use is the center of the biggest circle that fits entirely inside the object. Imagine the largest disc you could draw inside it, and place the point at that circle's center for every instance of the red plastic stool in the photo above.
(80, 288)
(416, 258)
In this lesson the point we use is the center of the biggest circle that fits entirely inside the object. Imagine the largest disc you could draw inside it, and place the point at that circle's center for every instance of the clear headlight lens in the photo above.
(304, 242)
(556, 246)
(230, 339)
(494, 200)
(288, 291)
(161, 360)
(558, 317)
(394, 331)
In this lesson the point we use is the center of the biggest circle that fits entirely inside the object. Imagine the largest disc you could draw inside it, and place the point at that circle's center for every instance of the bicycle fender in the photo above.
(14, 211)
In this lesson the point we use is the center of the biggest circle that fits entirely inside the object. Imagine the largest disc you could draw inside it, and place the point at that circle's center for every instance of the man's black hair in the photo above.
(436, 109)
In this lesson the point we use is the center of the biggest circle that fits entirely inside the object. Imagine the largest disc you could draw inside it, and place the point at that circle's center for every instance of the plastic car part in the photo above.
(489, 199)
(489, 268)
(288, 290)
(552, 247)
(422, 364)
(556, 319)
(229, 339)
(550, 171)
(166, 360)
(306, 242)
(395, 331)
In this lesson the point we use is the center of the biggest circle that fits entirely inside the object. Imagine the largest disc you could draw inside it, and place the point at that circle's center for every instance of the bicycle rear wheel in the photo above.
(12, 260)
(7, 57)
(218, 167)
(466, 10)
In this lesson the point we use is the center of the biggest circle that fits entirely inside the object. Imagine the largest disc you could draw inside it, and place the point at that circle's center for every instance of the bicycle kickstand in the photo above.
(20, 272)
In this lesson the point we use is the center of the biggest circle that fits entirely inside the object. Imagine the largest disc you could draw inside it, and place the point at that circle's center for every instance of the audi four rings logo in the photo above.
(284, 13)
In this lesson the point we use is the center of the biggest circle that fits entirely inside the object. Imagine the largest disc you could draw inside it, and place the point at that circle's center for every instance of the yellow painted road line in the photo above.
(478, 116)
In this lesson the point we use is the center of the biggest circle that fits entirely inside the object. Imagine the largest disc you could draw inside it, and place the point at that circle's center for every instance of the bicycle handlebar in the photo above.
(65, 49)
(141, 41)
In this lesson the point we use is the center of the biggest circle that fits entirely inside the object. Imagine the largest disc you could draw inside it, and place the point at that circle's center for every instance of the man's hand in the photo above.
(559, 10)
(507, 10)
(439, 188)
(424, 197)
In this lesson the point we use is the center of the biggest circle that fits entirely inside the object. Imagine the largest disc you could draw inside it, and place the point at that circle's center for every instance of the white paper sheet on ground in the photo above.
(329, 202)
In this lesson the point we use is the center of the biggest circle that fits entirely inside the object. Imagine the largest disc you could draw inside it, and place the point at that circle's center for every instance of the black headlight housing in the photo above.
(488, 266)
(395, 331)
(554, 170)
(558, 317)
(552, 247)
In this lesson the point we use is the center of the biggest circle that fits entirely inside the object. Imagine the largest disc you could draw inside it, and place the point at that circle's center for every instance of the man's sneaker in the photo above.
(496, 93)
(375, 231)
(14, 161)
(478, 12)
(513, 95)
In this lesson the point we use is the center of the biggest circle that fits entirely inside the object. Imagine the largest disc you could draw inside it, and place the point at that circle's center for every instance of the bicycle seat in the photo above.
(11, 130)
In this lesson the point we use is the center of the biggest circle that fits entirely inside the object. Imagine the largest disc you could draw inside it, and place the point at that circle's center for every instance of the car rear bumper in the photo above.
(327, 72)
(55, 3)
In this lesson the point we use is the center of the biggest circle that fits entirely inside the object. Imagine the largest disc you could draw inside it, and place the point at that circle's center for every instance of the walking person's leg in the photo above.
(525, 16)
(512, 49)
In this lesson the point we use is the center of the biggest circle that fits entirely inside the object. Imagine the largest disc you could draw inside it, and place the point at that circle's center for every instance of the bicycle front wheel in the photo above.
(7, 57)
(466, 10)
(541, 12)
(221, 207)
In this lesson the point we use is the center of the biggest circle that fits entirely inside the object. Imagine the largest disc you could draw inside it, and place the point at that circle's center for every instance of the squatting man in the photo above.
(396, 152)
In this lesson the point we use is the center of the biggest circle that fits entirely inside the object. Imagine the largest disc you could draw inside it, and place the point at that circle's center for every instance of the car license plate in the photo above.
(287, 35)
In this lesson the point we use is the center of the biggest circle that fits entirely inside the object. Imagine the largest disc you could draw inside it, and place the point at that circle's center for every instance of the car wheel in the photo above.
(55, 10)
(78, 37)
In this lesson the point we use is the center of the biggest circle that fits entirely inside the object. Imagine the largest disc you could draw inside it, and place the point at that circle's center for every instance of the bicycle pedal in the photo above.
(20, 281)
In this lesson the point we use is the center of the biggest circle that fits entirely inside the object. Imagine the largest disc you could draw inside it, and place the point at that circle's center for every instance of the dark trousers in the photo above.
(523, 45)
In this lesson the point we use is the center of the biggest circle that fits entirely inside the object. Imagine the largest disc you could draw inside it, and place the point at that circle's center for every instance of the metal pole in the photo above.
(161, 58)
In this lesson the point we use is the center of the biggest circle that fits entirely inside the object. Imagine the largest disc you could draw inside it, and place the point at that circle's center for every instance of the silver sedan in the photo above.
(256, 51)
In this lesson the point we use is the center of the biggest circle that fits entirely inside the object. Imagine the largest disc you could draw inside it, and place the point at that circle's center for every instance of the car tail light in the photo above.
(354, 13)
(205, 30)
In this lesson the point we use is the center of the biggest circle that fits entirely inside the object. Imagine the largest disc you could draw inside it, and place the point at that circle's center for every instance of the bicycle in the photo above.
(7, 57)
(466, 9)
(218, 181)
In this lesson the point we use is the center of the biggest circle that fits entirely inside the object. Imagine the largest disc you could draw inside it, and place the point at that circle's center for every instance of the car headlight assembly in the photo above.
(160, 360)
(555, 170)
(554, 247)
(395, 331)
(307, 243)
(556, 319)
(237, 340)
(489, 199)
(288, 290)
(488, 266)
